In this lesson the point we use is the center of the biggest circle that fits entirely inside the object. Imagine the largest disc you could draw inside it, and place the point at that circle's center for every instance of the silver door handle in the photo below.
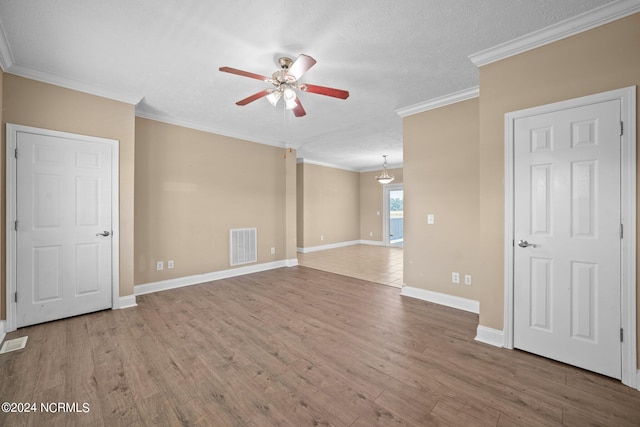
(524, 244)
(103, 234)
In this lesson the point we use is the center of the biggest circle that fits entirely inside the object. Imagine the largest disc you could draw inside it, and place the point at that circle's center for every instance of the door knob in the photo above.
(524, 244)
(103, 234)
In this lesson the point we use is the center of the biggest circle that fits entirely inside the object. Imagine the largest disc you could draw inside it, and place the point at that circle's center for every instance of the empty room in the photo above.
(364, 213)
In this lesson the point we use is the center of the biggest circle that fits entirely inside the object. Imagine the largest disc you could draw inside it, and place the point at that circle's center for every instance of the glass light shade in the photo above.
(289, 94)
(385, 178)
(274, 97)
(290, 104)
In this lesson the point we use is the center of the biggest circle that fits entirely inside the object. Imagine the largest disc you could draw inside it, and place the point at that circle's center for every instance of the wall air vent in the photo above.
(243, 245)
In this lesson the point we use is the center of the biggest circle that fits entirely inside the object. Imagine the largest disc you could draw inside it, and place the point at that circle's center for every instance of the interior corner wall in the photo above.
(32, 103)
(441, 178)
(331, 206)
(601, 59)
(300, 205)
(372, 204)
(192, 187)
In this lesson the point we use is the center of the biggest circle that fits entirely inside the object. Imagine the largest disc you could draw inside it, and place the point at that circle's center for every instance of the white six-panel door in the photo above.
(567, 250)
(63, 238)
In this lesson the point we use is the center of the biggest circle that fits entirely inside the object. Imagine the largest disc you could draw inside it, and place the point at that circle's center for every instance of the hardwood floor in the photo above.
(295, 347)
(380, 264)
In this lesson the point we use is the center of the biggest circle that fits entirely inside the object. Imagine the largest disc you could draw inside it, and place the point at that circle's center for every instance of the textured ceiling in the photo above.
(388, 54)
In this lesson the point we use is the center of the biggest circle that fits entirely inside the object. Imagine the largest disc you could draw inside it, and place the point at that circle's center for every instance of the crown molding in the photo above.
(323, 164)
(164, 118)
(6, 56)
(441, 101)
(390, 167)
(594, 18)
(77, 85)
(331, 165)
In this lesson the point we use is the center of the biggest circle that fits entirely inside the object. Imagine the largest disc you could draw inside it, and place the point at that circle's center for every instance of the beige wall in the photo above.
(192, 187)
(31, 103)
(300, 205)
(371, 203)
(441, 178)
(602, 59)
(331, 205)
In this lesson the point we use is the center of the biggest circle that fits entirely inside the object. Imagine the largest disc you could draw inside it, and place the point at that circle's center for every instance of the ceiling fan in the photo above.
(286, 83)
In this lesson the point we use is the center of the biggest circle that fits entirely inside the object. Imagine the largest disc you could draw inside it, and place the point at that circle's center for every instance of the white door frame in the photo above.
(385, 210)
(627, 97)
(11, 188)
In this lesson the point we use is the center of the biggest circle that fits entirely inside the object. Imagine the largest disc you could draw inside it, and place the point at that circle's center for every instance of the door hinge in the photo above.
(15, 225)
(621, 335)
(15, 153)
(621, 231)
(15, 297)
(621, 128)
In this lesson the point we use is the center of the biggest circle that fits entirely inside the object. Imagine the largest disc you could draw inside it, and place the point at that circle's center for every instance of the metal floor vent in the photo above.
(14, 344)
(243, 243)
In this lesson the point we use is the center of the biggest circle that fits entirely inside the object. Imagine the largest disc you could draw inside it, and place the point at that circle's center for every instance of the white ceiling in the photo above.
(166, 54)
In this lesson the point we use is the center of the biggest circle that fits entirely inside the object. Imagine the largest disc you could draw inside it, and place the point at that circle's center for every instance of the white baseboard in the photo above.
(339, 245)
(3, 332)
(490, 336)
(442, 299)
(371, 242)
(126, 302)
(291, 262)
(179, 282)
(329, 246)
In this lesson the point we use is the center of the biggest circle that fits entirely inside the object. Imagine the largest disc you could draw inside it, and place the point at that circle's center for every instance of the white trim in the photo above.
(6, 55)
(11, 190)
(340, 245)
(329, 246)
(72, 84)
(441, 101)
(627, 97)
(443, 299)
(165, 118)
(323, 164)
(638, 380)
(2, 330)
(586, 21)
(386, 188)
(390, 167)
(291, 262)
(180, 282)
(127, 301)
(494, 337)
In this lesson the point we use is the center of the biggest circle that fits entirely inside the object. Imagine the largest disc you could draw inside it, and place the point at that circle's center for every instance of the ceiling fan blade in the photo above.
(328, 91)
(298, 111)
(300, 66)
(253, 97)
(245, 74)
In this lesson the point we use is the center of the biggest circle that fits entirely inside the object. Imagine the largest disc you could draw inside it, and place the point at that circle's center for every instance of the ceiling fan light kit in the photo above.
(385, 178)
(286, 83)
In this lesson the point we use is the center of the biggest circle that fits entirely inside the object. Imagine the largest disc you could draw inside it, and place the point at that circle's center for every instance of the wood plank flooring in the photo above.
(295, 347)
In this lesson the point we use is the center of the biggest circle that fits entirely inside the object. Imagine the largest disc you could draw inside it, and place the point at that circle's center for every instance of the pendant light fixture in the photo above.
(385, 178)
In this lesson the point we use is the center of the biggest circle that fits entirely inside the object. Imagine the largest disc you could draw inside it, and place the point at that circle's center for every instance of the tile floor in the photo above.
(378, 264)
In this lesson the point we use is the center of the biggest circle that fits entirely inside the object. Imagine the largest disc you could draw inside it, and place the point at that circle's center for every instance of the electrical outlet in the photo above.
(455, 277)
(170, 264)
(371, 234)
(431, 219)
(321, 238)
(467, 279)
(273, 251)
(160, 265)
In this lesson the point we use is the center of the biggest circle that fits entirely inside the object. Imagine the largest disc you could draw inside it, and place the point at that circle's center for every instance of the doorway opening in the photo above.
(394, 215)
